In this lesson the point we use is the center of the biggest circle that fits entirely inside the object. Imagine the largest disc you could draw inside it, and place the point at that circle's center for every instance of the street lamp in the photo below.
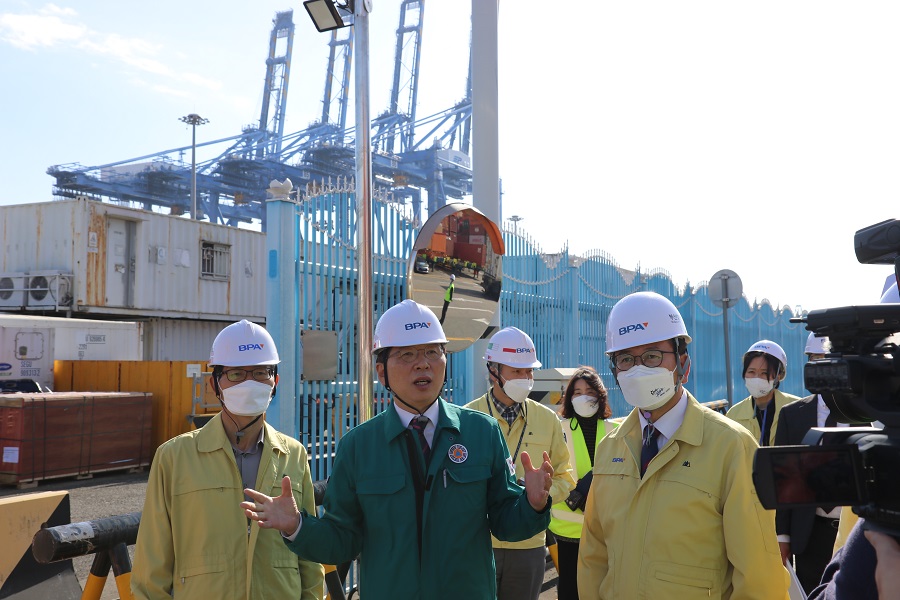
(515, 219)
(325, 16)
(193, 120)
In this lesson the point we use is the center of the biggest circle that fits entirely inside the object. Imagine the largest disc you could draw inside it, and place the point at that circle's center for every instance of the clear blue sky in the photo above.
(691, 136)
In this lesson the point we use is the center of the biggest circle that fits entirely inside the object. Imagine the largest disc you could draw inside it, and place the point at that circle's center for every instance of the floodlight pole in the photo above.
(193, 120)
(365, 303)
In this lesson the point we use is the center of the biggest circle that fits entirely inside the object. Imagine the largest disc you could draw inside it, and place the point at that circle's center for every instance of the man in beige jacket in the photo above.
(527, 426)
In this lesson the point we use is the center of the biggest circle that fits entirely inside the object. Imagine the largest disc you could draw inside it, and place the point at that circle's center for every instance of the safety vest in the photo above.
(448, 295)
(564, 521)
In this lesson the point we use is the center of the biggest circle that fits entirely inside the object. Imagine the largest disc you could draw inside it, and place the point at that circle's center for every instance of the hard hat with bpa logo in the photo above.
(643, 318)
(408, 324)
(243, 344)
(817, 345)
(512, 347)
(772, 349)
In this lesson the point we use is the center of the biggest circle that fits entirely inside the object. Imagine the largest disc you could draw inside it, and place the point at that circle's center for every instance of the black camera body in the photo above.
(859, 380)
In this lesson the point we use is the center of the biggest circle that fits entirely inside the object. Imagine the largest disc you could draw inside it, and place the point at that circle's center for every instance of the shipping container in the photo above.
(29, 344)
(73, 434)
(87, 257)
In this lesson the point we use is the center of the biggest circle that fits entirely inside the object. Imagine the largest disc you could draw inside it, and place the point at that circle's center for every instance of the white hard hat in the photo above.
(771, 348)
(512, 347)
(243, 344)
(643, 318)
(892, 295)
(452, 277)
(817, 345)
(408, 324)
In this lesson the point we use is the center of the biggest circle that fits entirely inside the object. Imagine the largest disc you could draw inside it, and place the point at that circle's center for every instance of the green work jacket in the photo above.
(370, 507)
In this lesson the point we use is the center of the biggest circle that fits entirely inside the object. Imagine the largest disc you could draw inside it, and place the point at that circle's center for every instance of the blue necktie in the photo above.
(650, 447)
(418, 425)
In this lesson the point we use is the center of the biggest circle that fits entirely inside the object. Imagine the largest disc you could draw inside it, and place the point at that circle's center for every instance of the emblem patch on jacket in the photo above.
(458, 453)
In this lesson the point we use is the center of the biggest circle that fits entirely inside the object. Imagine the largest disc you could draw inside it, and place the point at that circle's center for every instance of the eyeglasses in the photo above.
(411, 355)
(650, 358)
(258, 373)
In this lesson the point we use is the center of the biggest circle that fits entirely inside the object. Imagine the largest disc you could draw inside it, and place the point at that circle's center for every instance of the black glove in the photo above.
(578, 497)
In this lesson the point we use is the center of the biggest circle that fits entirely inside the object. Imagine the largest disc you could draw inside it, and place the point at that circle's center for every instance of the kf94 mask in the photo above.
(248, 398)
(647, 388)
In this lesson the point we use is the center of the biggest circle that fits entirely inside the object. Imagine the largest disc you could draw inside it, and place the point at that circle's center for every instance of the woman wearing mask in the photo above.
(765, 366)
(583, 411)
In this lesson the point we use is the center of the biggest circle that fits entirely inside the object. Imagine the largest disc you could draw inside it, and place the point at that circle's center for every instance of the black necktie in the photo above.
(830, 421)
(418, 425)
(650, 447)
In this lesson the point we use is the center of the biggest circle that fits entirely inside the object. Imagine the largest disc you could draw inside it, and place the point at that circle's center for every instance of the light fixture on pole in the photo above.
(325, 14)
(515, 219)
(193, 120)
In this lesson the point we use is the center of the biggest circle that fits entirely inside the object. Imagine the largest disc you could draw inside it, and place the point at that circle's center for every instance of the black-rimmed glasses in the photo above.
(237, 375)
(650, 358)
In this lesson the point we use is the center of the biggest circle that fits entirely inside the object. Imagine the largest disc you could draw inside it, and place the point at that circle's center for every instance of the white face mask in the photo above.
(647, 388)
(518, 389)
(248, 398)
(759, 387)
(585, 406)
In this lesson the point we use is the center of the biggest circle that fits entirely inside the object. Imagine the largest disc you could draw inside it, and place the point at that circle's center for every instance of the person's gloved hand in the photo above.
(578, 496)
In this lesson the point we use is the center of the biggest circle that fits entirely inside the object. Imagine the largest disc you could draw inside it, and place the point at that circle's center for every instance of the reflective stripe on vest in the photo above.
(564, 521)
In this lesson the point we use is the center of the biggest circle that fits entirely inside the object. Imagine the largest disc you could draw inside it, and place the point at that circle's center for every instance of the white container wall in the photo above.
(30, 344)
(170, 339)
(131, 262)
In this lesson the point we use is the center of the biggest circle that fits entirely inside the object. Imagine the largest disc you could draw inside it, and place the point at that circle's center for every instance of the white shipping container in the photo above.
(30, 344)
(97, 258)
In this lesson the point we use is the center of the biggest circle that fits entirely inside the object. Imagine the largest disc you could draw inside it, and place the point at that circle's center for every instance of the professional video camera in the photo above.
(859, 380)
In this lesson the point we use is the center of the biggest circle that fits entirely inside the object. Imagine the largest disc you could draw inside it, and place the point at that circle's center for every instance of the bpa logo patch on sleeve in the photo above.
(511, 465)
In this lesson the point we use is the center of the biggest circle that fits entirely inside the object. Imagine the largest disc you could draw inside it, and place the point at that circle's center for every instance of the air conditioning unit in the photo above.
(12, 290)
(48, 289)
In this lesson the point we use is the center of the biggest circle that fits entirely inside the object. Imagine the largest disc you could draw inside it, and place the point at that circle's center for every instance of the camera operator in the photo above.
(867, 565)
(862, 569)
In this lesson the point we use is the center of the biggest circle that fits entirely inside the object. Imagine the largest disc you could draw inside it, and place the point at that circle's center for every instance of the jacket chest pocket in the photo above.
(466, 487)
(536, 441)
(382, 507)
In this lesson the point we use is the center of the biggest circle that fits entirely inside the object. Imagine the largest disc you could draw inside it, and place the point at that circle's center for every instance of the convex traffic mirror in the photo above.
(455, 270)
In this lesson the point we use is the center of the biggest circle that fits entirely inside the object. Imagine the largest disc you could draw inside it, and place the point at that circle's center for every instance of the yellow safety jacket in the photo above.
(193, 538)
(692, 527)
(536, 430)
(744, 412)
(564, 521)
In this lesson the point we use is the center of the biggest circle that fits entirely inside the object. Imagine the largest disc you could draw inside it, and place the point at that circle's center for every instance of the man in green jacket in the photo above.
(416, 491)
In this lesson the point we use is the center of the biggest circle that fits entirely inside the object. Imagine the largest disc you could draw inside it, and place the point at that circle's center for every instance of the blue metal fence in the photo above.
(560, 299)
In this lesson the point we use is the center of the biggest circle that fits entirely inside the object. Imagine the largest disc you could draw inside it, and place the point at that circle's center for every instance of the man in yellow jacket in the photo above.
(672, 512)
(194, 540)
(527, 426)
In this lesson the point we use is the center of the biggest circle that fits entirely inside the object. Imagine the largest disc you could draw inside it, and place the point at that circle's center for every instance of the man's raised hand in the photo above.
(537, 481)
(274, 513)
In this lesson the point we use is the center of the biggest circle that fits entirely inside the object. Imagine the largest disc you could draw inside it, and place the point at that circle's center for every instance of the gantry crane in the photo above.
(409, 154)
